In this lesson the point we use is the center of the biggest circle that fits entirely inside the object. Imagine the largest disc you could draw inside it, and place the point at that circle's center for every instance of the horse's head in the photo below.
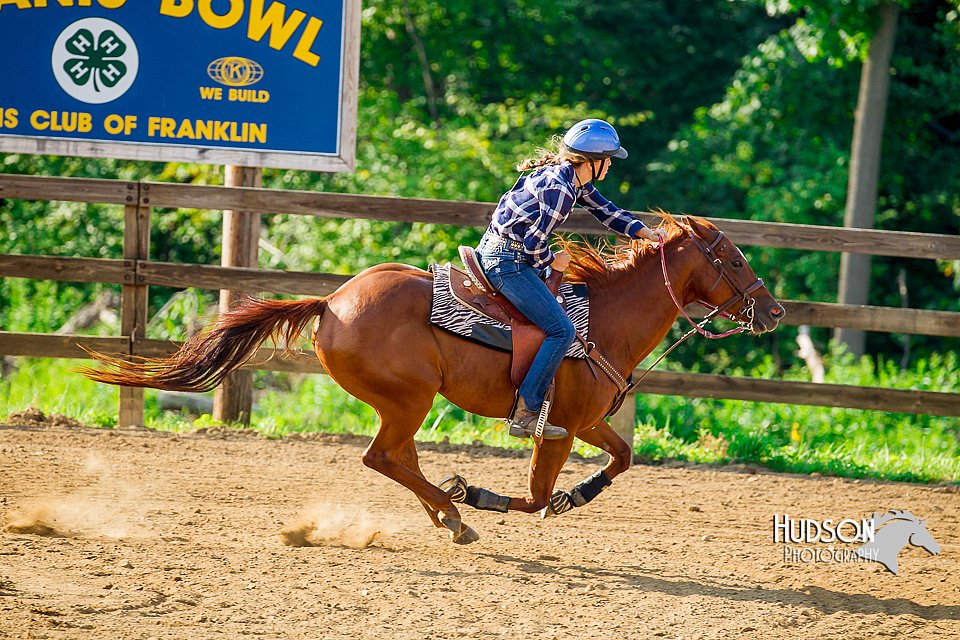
(922, 538)
(911, 529)
(727, 282)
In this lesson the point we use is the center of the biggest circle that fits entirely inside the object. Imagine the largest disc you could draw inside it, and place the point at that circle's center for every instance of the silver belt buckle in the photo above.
(493, 243)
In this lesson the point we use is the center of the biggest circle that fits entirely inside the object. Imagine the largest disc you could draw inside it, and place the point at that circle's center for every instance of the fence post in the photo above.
(133, 302)
(624, 420)
(233, 400)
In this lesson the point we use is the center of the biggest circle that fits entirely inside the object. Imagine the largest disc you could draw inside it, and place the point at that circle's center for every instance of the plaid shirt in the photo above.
(541, 201)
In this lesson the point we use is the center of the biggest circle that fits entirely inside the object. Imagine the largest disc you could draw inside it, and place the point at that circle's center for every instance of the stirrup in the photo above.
(539, 428)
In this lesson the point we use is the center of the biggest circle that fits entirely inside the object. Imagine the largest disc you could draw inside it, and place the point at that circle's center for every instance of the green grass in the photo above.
(794, 438)
(51, 386)
(830, 441)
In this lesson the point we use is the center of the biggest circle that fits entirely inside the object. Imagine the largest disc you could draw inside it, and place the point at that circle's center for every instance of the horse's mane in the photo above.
(597, 265)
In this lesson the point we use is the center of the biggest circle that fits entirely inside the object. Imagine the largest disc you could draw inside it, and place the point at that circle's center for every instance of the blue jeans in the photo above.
(520, 284)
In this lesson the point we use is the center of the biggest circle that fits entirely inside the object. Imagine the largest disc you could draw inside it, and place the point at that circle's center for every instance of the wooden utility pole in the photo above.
(865, 167)
(233, 400)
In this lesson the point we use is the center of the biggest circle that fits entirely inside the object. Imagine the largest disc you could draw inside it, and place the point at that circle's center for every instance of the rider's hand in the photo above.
(657, 236)
(561, 260)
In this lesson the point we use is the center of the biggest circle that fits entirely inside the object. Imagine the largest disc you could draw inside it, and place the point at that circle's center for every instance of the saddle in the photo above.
(473, 290)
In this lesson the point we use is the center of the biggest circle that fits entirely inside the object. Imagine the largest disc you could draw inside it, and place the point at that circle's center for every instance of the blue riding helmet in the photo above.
(595, 139)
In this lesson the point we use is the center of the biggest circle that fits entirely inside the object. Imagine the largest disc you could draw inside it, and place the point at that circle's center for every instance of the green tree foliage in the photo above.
(777, 148)
(835, 32)
(644, 64)
(725, 109)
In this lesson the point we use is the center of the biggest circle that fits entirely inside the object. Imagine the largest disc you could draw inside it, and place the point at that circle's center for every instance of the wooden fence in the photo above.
(136, 272)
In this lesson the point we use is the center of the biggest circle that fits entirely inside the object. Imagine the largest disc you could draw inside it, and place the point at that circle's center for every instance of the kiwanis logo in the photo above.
(234, 71)
(95, 60)
(881, 538)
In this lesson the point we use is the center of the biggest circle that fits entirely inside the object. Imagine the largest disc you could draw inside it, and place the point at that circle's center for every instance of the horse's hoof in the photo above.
(459, 532)
(560, 502)
(466, 535)
(455, 487)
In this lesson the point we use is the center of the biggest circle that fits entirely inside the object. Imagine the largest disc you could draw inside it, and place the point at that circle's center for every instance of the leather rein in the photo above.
(743, 318)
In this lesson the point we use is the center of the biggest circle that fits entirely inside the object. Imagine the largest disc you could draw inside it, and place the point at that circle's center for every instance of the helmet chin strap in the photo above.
(594, 173)
(593, 169)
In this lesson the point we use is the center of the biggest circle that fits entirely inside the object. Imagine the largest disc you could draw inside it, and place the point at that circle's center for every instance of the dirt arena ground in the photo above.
(136, 534)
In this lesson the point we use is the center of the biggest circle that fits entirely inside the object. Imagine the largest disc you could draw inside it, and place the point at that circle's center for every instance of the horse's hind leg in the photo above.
(388, 454)
(374, 341)
(603, 436)
(410, 459)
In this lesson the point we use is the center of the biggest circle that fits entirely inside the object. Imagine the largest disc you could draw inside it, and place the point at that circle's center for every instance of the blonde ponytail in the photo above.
(553, 153)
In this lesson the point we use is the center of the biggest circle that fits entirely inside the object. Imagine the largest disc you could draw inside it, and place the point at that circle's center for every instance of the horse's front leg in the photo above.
(545, 465)
(603, 436)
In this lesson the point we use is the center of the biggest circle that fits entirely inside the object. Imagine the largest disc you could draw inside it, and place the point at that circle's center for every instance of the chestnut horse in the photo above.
(373, 338)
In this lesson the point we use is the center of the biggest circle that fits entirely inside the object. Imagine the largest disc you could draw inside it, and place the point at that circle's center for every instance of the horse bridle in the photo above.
(744, 317)
(709, 251)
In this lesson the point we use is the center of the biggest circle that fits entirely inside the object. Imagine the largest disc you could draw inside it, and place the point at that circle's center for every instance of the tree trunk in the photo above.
(428, 86)
(865, 167)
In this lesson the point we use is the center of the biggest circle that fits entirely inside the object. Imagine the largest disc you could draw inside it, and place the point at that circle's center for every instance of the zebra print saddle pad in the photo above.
(451, 315)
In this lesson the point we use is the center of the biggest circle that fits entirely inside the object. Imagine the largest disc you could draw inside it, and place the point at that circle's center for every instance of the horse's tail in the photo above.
(203, 361)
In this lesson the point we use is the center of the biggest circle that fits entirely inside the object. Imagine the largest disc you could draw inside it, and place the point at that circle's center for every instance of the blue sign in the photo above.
(252, 82)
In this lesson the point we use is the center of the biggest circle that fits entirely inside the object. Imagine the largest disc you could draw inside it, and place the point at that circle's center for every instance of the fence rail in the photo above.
(136, 272)
(167, 274)
(457, 213)
(692, 385)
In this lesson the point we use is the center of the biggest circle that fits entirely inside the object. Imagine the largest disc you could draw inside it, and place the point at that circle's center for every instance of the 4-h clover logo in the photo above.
(95, 60)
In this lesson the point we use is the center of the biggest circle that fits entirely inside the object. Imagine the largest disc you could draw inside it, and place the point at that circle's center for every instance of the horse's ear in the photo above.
(698, 228)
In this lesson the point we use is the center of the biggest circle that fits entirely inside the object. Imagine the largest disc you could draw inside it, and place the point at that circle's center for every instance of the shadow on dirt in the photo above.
(823, 600)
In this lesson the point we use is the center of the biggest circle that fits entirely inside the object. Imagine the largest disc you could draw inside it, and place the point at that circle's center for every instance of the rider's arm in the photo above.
(612, 216)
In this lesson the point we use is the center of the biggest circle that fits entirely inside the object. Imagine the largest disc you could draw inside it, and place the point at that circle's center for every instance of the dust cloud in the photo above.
(108, 507)
(324, 524)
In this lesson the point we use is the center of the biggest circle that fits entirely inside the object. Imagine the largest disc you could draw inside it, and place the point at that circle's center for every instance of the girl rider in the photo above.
(515, 251)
